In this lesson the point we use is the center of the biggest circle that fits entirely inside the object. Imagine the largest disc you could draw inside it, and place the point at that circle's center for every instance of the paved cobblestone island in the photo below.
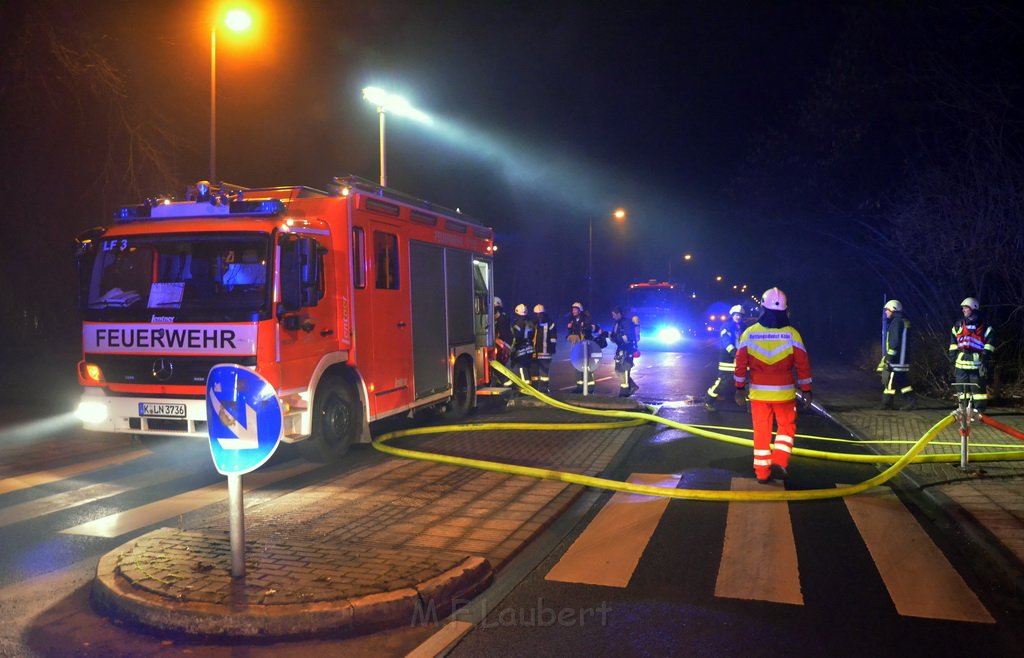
(367, 550)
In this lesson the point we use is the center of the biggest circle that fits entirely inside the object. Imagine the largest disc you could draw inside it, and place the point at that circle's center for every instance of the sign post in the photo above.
(245, 423)
(585, 356)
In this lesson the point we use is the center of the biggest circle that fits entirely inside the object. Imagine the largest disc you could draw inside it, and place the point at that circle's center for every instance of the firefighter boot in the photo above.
(887, 401)
(909, 402)
(779, 472)
(709, 403)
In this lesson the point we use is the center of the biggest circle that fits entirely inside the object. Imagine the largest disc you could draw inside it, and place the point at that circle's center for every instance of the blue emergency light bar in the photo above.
(185, 209)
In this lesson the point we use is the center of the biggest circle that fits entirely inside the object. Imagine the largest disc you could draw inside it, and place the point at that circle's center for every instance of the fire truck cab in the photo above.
(665, 315)
(355, 304)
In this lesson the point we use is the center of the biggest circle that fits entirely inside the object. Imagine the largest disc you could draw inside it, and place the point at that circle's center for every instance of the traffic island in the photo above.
(180, 581)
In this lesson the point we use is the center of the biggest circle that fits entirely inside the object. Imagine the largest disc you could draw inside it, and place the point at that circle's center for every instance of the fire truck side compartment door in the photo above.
(429, 335)
(389, 373)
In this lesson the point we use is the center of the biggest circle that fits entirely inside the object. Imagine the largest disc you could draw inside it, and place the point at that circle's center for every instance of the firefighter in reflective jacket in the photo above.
(502, 340)
(544, 345)
(728, 337)
(523, 331)
(625, 334)
(894, 366)
(970, 352)
(768, 352)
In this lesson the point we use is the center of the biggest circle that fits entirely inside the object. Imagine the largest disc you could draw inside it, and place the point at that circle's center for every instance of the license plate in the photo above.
(161, 409)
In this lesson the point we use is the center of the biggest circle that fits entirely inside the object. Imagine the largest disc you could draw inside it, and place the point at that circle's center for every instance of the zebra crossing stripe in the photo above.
(88, 494)
(35, 479)
(608, 550)
(920, 580)
(118, 524)
(759, 555)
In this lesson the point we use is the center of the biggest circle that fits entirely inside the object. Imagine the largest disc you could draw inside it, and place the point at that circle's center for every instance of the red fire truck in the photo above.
(356, 304)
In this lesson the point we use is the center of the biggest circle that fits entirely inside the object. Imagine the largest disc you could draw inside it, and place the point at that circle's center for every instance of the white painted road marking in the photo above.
(920, 580)
(607, 552)
(759, 556)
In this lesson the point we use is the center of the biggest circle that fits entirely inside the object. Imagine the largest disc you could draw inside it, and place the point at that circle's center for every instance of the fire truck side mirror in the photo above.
(301, 273)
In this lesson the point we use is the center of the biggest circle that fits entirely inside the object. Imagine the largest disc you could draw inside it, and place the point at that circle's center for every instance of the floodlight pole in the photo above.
(213, 105)
(383, 164)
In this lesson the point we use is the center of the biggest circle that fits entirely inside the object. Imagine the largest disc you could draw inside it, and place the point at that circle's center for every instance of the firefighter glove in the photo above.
(983, 370)
(882, 366)
(741, 397)
(808, 399)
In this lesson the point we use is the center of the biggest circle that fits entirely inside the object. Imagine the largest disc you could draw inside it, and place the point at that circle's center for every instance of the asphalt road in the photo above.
(671, 602)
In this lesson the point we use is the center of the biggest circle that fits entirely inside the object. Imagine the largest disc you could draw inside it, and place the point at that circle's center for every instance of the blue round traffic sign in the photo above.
(244, 418)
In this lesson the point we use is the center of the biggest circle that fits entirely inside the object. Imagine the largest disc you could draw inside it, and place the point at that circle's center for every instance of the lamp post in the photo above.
(387, 102)
(619, 215)
(236, 20)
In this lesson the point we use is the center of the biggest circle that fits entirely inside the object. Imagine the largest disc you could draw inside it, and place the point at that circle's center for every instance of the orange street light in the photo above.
(236, 20)
(620, 216)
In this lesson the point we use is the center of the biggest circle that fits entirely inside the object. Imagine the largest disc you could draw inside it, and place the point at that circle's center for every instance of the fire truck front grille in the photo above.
(169, 370)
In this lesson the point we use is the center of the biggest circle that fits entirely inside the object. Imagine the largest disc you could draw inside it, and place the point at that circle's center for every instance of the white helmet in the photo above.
(539, 308)
(893, 305)
(521, 309)
(497, 301)
(578, 305)
(971, 302)
(736, 309)
(774, 299)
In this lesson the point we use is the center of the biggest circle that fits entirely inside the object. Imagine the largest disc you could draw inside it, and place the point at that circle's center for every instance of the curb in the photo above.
(114, 595)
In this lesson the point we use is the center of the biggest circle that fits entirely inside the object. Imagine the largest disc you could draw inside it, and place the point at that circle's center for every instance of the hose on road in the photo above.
(634, 418)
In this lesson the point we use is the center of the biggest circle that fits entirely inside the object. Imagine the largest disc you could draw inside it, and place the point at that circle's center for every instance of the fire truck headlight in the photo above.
(91, 412)
(669, 335)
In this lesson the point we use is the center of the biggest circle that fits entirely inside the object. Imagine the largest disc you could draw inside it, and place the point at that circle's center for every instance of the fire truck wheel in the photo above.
(463, 391)
(336, 421)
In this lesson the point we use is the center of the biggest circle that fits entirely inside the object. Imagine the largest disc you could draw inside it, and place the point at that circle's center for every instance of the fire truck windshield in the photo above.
(196, 277)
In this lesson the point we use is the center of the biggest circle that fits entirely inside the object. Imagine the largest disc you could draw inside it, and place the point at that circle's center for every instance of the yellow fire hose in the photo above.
(633, 418)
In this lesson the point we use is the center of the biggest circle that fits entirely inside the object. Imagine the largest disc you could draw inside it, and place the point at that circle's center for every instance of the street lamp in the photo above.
(620, 216)
(385, 103)
(235, 20)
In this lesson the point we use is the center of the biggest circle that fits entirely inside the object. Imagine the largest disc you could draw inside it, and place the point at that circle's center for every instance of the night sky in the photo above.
(750, 134)
(548, 115)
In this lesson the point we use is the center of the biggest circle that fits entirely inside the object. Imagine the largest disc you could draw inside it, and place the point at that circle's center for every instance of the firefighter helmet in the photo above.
(521, 309)
(736, 309)
(774, 299)
(578, 305)
(539, 308)
(497, 302)
(971, 303)
(893, 305)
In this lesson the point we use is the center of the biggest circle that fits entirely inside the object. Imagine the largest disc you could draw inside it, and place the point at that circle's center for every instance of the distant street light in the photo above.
(385, 103)
(620, 216)
(235, 20)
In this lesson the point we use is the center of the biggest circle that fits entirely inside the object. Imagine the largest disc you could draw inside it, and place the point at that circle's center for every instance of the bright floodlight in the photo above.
(393, 104)
(238, 20)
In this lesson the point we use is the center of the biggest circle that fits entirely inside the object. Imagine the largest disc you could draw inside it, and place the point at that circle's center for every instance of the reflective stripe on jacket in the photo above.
(970, 343)
(769, 356)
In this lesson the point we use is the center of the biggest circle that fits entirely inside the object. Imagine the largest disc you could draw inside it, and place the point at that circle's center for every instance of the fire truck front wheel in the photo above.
(336, 421)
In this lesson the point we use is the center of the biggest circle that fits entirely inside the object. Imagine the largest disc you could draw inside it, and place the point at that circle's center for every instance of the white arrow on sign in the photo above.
(245, 438)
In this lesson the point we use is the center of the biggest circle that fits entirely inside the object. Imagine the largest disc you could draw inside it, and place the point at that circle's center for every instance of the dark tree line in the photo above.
(75, 145)
(907, 161)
